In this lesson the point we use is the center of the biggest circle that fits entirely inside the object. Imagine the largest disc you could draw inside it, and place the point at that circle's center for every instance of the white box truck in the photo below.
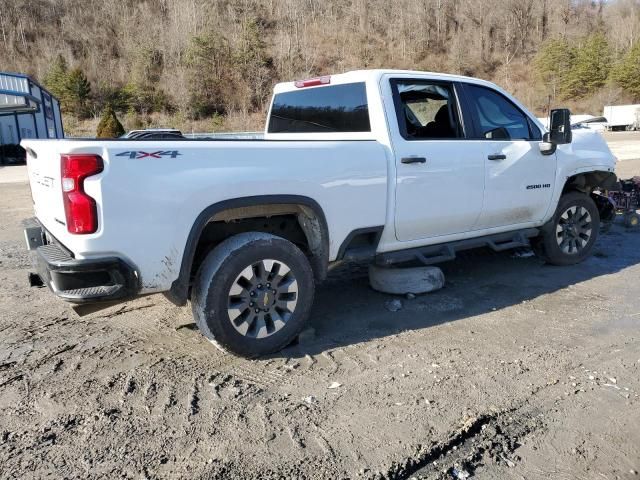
(622, 117)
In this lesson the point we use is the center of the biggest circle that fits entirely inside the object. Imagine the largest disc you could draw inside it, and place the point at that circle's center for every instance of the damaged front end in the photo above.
(606, 209)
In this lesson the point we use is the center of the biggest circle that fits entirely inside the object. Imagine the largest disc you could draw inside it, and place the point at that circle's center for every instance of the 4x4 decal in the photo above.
(158, 154)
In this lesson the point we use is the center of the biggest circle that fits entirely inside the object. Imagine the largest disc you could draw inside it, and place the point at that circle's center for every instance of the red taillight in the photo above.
(79, 208)
(313, 82)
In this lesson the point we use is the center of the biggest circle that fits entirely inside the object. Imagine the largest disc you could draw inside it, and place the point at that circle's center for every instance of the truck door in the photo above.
(439, 174)
(519, 180)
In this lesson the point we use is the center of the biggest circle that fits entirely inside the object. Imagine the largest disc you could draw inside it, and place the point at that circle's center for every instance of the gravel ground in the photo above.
(514, 370)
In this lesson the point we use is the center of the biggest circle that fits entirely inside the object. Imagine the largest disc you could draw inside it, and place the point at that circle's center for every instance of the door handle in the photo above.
(414, 160)
(497, 156)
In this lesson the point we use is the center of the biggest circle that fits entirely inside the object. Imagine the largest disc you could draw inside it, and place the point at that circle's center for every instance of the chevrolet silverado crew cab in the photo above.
(385, 166)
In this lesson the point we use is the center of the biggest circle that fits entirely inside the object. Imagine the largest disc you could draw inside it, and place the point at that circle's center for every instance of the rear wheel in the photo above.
(572, 232)
(253, 294)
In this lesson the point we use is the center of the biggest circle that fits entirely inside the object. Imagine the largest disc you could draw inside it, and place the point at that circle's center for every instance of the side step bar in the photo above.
(447, 251)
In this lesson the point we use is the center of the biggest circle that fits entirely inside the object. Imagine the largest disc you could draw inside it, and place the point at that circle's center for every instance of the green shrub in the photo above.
(109, 126)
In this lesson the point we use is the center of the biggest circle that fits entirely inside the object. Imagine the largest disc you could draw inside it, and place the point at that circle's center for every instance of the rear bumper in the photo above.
(79, 281)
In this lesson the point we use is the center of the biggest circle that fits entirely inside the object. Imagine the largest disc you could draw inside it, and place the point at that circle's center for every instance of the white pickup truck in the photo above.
(386, 166)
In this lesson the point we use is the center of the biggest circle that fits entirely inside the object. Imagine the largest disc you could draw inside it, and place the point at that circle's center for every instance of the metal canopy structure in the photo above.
(15, 94)
(27, 110)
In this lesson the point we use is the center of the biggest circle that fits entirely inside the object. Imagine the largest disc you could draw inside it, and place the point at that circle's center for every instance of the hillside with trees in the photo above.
(209, 65)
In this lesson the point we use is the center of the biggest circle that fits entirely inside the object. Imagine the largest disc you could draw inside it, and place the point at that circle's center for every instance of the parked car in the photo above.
(591, 122)
(154, 134)
(598, 124)
(382, 166)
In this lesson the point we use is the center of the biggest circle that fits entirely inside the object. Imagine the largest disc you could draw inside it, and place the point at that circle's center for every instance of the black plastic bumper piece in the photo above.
(85, 281)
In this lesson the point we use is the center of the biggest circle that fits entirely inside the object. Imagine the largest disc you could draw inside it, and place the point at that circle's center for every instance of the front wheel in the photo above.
(252, 294)
(568, 238)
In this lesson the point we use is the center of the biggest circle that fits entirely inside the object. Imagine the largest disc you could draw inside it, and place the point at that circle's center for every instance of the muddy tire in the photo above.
(252, 294)
(568, 238)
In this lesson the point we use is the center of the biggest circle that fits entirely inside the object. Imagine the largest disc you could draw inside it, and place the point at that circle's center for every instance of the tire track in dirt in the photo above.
(492, 435)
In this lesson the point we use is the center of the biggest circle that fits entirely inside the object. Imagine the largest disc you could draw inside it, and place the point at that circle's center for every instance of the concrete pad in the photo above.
(13, 174)
(400, 281)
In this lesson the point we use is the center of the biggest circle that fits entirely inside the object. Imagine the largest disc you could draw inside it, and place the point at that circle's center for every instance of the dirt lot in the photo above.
(515, 370)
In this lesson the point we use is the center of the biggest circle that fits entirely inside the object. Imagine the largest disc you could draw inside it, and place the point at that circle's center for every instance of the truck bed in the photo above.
(152, 189)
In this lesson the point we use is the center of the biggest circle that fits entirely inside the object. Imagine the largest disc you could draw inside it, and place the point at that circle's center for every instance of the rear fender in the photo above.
(313, 222)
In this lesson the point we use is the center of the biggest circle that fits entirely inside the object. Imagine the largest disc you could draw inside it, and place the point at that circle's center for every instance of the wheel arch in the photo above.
(587, 182)
(308, 212)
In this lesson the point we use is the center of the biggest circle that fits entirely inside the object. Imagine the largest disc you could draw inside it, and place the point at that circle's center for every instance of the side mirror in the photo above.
(560, 126)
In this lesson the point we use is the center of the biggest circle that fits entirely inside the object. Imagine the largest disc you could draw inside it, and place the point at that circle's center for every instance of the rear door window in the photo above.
(496, 117)
(426, 110)
(335, 108)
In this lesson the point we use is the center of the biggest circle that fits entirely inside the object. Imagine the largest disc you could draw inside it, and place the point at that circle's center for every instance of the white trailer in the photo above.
(622, 117)
(27, 110)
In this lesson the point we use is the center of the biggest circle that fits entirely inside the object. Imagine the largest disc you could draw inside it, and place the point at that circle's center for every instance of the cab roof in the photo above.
(375, 75)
